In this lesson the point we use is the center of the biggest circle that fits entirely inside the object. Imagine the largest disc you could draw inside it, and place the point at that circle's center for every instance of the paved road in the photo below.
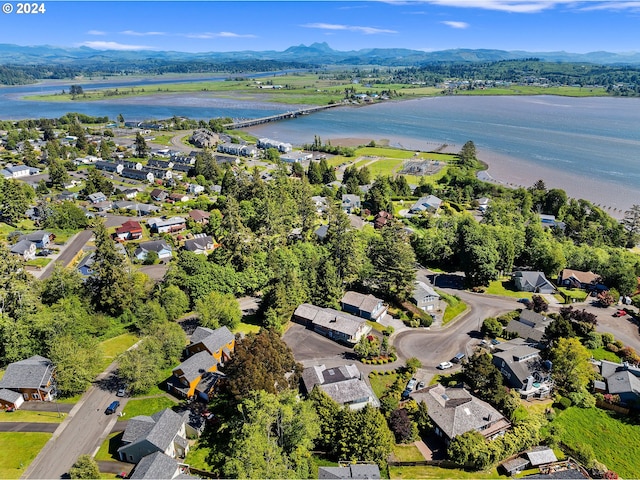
(176, 141)
(28, 427)
(82, 431)
(69, 251)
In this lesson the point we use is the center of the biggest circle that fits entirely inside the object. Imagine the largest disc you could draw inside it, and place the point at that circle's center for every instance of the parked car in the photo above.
(122, 391)
(113, 406)
(458, 358)
(420, 386)
(620, 313)
(495, 342)
(445, 365)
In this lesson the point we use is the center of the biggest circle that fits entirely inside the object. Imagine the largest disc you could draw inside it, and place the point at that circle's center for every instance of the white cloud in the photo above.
(142, 34)
(113, 46)
(96, 32)
(628, 5)
(453, 24)
(350, 28)
(208, 35)
(528, 6)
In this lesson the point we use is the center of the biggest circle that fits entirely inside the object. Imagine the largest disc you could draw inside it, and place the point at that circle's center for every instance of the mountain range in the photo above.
(316, 53)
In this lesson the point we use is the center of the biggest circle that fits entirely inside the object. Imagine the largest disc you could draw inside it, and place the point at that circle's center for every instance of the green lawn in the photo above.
(39, 262)
(381, 383)
(17, 451)
(537, 90)
(573, 293)
(455, 307)
(407, 453)
(197, 456)
(505, 287)
(615, 439)
(604, 354)
(145, 406)
(378, 327)
(113, 347)
(109, 448)
(249, 324)
(438, 472)
(31, 416)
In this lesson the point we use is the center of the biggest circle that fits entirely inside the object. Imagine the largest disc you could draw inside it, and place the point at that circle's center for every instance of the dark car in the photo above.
(113, 406)
(458, 358)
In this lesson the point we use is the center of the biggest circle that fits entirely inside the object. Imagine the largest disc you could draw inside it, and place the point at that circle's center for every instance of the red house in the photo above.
(130, 230)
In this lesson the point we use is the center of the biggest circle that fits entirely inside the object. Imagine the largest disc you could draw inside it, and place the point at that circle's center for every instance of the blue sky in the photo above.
(531, 25)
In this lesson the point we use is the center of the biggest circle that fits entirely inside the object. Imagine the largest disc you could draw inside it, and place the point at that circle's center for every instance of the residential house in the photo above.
(164, 431)
(195, 189)
(550, 221)
(381, 219)
(159, 195)
(361, 471)
(201, 244)
(296, 157)
(129, 230)
(282, 147)
(578, 279)
(224, 159)
(338, 326)
(204, 138)
(33, 378)
(200, 216)
(86, 264)
(97, 197)
(144, 209)
(321, 232)
(238, 149)
(620, 379)
(142, 175)
(534, 282)
(191, 377)
(159, 466)
(160, 164)
(25, 249)
(218, 343)
(350, 203)
(130, 193)
(159, 173)
(167, 225)
(430, 203)
(132, 165)
(110, 167)
(18, 171)
(320, 203)
(102, 206)
(160, 247)
(10, 399)
(425, 297)
(455, 411)
(344, 384)
(178, 197)
(41, 238)
(529, 326)
(483, 204)
(365, 306)
(522, 367)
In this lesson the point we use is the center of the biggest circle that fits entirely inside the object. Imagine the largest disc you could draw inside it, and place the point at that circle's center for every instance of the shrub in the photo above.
(425, 321)
(387, 332)
(607, 338)
(612, 347)
(585, 454)
(582, 399)
(563, 402)
(594, 340)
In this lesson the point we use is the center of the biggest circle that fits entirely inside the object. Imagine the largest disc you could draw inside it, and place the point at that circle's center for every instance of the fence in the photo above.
(432, 463)
(610, 406)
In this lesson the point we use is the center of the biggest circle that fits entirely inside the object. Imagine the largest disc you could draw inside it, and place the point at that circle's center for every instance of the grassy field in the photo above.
(109, 448)
(438, 472)
(615, 439)
(113, 347)
(604, 354)
(17, 451)
(505, 287)
(31, 416)
(455, 307)
(39, 262)
(407, 453)
(573, 293)
(145, 406)
(536, 90)
(197, 456)
(381, 383)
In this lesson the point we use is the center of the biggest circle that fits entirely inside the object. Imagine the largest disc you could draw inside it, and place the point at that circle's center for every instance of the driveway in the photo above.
(309, 346)
(47, 407)
(28, 427)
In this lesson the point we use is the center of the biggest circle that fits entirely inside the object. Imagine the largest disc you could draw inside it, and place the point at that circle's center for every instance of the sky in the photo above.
(221, 26)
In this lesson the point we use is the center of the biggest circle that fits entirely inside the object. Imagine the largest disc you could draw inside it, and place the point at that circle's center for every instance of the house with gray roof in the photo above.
(164, 431)
(365, 306)
(201, 244)
(41, 238)
(97, 197)
(534, 282)
(187, 376)
(425, 297)
(522, 367)
(159, 466)
(10, 399)
(455, 411)
(18, 171)
(344, 384)
(621, 379)
(430, 203)
(167, 225)
(160, 247)
(358, 470)
(350, 203)
(338, 326)
(529, 326)
(219, 343)
(33, 378)
(24, 249)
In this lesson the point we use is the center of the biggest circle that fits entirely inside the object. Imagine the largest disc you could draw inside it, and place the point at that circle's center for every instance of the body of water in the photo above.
(588, 146)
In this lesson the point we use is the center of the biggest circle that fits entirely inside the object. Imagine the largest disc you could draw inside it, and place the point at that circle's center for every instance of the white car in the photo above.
(445, 365)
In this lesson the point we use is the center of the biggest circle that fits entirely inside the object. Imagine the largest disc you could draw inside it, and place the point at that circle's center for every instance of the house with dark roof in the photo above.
(200, 216)
(218, 343)
(97, 197)
(455, 411)
(160, 247)
(621, 379)
(167, 225)
(159, 466)
(338, 326)
(365, 306)
(522, 367)
(164, 431)
(381, 219)
(344, 384)
(534, 282)
(200, 244)
(356, 470)
(24, 249)
(530, 326)
(577, 279)
(425, 297)
(41, 238)
(159, 195)
(195, 376)
(33, 378)
(10, 399)
(129, 230)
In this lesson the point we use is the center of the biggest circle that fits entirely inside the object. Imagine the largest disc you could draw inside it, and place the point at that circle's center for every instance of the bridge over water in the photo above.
(281, 116)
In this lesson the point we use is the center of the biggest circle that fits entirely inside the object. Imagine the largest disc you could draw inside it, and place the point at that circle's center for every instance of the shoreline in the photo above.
(514, 173)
